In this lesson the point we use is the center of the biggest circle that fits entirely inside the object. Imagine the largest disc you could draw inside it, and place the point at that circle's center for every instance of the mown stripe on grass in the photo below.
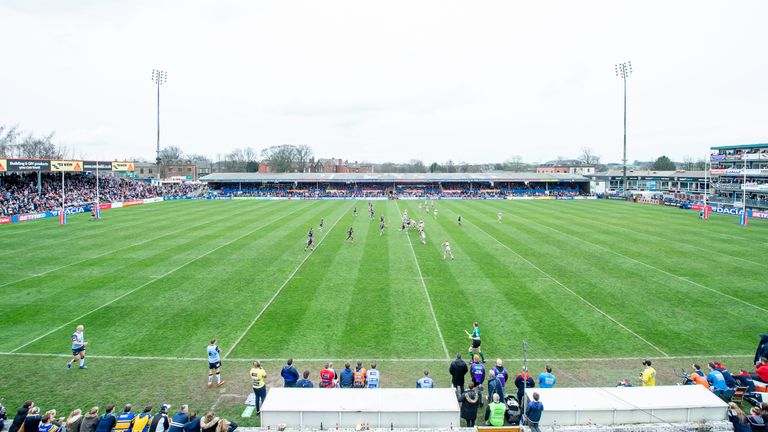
(153, 280)
(572, 292)
(279, 290)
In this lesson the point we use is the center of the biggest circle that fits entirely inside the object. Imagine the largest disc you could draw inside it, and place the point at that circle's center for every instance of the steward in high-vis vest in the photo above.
(359, 376)
(141, 423)
(495, 413)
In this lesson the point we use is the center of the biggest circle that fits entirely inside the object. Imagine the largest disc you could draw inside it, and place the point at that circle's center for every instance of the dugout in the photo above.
(629, 405)
(308, 408)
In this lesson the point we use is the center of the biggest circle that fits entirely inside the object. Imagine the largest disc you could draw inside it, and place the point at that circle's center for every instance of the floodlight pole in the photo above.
(159, 77)
(623, 70)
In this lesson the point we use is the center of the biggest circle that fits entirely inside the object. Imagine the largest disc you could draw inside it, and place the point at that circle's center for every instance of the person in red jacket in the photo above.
(327, 377)
(523, 380)
(761, 371)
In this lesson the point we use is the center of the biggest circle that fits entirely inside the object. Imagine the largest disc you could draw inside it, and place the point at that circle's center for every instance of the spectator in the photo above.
(360, 376)
(108, 420)
(533, 413)
(425, 381)
(738, 419)
(469, 402)
(178, 420)
(124, 422)
(209, 422)
(32, 421)
(46, 423)
(715, 379)
(346, 377)
(760, 352)
(373, 376)
(327, 376)
(501, 373)
(458, 369)
(74, 420)
(141, 423)
(624, 383)
(743, 379)
(304, 382)
(90, 420)
(494, 413)
(160, 422)
(193, 424)
(494, 386)
(755, 420)
(729, 381)
(290, 374)
(698, 377)
(226, 426)
(648, 376)
(3, 417)
(477, 372)
(761, 371)
(764, 411)
(523, 380)
(259, 385)
(547, 379)
(21, 414)
(697, 370)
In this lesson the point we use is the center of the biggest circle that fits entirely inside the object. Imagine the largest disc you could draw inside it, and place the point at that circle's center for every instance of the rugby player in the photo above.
(459, 220)
(354, 211)
(435, 212)
(349, 234)
(78, 347)
(322, 222)
(447, 250)
(475, 338)
(423, 237)
(214, 362)
(311, 238)
(381, 227)
(499, 216)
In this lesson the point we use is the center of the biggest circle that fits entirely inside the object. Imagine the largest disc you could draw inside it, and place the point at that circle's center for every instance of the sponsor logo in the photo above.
(92, 165)
(2, 164)
(5, 220)
(759, 214)
(717, 157)
(34, 216)
(27, 165)
(59, 166)
(130, 203)
(122, 166)
(105, 206)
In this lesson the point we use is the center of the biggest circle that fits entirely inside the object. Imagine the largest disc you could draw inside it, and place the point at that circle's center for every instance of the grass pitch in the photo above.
(582, 281)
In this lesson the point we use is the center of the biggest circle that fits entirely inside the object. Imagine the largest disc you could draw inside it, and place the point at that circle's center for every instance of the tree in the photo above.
(171, 155)
(8, 137)
(588, 156)
(302, 155)
(435, 167)
(39, 147)
(663, 163)
(687, 163)
(416, 166)
(700, 164)
(515, 163)
(280, 158)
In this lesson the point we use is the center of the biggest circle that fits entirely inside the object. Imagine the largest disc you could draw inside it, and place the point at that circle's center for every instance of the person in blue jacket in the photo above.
(290, 374)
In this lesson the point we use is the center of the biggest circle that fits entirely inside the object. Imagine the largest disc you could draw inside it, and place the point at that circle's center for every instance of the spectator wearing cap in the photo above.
(124, 421)
(160, 422)
(108, 420)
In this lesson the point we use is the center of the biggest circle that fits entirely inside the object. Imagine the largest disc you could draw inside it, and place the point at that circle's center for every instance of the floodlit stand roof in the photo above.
(401, 408)
(627, 405)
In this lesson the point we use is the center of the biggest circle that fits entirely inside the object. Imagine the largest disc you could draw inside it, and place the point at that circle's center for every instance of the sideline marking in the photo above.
(105, 253)
(587, 302)
(650, 266)
(397, 360)
(426, 291)
(279, 290)
(154, 280)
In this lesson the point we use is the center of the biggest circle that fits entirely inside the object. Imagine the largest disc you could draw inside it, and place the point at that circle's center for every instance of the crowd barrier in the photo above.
(756, 214)
(75, 210)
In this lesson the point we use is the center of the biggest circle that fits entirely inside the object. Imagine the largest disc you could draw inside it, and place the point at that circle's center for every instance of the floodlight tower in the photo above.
(159, 77)
(623, 71)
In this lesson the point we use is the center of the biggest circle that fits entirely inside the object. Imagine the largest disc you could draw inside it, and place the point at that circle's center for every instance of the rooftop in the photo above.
(500, 176)
(649, 173)
(740, 146)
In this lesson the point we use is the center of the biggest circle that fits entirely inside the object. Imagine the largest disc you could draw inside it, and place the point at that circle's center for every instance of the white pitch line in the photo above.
(394, 360)
(279, 290)
(652, 267)
(103, 254)
(155, 280)
(587, 302)
(426, 291)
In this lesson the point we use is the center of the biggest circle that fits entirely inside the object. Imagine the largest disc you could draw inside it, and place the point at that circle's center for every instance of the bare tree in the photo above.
(171, 155)
(588, 156)
(302, 154)
(280, 158)
(8, 137)
(515, 163)
(687, 163)
(39, 147)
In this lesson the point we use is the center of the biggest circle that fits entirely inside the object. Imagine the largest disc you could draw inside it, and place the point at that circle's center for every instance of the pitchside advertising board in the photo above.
(75, 210)
(17, 165)
(756, 214)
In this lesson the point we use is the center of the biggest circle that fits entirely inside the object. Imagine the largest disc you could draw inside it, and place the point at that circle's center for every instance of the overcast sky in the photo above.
(470, 81)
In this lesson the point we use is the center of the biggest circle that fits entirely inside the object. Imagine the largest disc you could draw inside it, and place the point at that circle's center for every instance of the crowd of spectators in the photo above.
(19, 192)
(30, 418)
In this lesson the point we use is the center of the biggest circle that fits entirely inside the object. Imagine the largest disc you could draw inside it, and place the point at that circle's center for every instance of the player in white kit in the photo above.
(447, 250)
(214, 363)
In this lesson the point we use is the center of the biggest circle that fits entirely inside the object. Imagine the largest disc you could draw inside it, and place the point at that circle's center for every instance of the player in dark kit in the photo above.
(349, 234)
(459, 220)
(322, 222)
(381, 227)
(310, 240)
(354, 211)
